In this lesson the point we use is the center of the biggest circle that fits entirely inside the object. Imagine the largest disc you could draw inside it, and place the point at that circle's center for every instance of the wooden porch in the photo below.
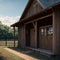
(42, 51)
(33, 34)
(32, 26)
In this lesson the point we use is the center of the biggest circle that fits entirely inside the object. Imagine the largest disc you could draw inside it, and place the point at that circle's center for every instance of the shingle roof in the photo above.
(47, 3)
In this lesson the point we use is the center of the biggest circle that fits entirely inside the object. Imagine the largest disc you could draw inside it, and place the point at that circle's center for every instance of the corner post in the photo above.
(56, 30)
(14, 36)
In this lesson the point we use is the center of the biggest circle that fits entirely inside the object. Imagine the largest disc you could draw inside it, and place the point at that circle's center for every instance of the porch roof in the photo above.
(15, 24)
(42, 13)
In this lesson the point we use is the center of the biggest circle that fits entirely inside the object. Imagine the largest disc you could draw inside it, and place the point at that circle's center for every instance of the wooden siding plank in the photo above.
(33, 9)
(56, 30)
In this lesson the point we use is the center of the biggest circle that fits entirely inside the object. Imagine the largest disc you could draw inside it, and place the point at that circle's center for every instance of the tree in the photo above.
(6, 32)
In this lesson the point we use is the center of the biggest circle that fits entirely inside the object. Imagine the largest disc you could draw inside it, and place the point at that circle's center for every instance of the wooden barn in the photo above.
(39, 26)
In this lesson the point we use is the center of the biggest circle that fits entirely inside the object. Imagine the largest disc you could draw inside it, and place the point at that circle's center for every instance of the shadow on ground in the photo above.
(5, 57)
(35, 54)
(1, 58)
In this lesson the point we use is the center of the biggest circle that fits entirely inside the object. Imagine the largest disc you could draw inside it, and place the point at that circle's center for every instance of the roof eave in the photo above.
(15, 24)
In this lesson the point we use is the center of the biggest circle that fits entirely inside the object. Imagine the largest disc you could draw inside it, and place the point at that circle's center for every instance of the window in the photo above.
(43, 31)
(50, 30)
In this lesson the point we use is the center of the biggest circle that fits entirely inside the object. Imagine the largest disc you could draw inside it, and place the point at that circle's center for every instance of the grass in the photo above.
(36, 54)
(32, 53)
(4, 52)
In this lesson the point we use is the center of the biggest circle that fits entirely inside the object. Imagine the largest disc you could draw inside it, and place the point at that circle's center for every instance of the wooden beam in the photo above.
(14, 36)
(33, 24)
(41, 4)
(39, 18)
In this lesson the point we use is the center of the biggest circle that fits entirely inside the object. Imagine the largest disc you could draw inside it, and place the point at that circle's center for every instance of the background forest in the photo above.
(6, 33)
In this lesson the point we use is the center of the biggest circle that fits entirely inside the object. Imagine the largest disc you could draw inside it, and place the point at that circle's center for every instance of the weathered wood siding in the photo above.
(56, 28)
(34, 8)
(21, 36)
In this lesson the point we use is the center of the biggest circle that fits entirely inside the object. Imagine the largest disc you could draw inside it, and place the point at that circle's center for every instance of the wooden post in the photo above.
(18, 38)
(56, 30)
(5, 42)
(14, 36)
(24, 35)
(36, 33)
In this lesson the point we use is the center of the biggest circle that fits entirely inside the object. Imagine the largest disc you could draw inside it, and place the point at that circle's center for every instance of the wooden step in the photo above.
(42, 51)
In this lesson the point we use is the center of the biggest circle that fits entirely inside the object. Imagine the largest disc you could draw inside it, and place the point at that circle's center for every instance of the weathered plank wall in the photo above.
(56, 28)
(34, 8)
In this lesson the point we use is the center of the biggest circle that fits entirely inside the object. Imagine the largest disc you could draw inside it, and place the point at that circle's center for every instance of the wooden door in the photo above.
(27, 38)
(32, 38)
(45, 37)
(42, 37)
(50, 37)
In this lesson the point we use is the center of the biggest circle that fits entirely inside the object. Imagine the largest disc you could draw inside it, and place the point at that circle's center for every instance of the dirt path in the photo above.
(5, 57)
(24, 56)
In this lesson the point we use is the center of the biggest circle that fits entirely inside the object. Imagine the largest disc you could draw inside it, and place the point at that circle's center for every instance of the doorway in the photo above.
(46, 37)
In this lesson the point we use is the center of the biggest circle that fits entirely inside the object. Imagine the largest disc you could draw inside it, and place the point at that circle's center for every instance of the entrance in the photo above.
(27, 37)
(46, 37)
(32, 37)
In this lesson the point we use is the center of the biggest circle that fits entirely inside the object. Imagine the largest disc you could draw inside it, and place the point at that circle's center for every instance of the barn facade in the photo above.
(39, 26)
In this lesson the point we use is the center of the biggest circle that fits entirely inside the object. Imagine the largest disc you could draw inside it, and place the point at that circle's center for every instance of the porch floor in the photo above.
(42, 51)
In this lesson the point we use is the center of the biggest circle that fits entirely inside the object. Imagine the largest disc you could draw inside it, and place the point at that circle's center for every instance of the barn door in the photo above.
(45, 37)
(42, 37)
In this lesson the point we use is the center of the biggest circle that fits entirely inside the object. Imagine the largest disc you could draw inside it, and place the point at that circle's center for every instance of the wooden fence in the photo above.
(9, 43)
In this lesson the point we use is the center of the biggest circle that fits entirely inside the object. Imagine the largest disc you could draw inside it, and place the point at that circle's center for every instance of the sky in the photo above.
(11, 10)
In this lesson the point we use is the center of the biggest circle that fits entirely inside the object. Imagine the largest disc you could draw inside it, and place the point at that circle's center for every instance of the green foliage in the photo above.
(6, 32)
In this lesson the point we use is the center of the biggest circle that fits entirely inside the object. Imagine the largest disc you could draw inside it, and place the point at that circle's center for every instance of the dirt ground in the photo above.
(26, 57)
(4, 57)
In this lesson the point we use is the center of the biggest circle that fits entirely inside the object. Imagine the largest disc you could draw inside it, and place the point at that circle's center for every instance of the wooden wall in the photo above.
(34, 8)
(56, 28)
(21, 36)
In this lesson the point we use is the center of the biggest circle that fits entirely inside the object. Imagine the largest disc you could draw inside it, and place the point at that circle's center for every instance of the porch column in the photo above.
(35, 27)
(14, 36)
(24, 35)
(18, 37)
(36, 34)
(56, 30)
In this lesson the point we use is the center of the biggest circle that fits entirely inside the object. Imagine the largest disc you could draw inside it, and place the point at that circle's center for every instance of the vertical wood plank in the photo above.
(56, 30)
